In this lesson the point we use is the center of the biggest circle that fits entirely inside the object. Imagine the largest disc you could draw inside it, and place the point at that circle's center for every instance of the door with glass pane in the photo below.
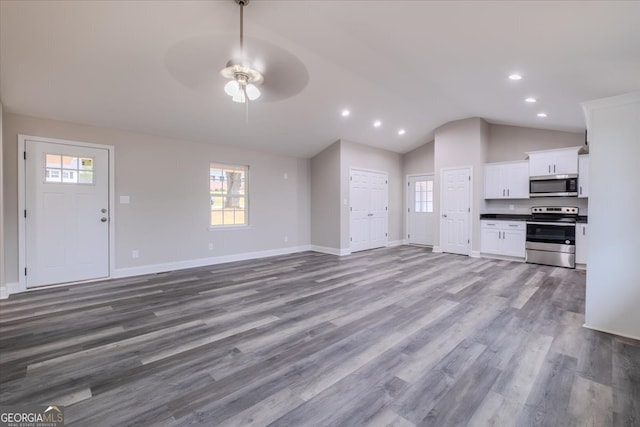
(66, 213)
(420, 210)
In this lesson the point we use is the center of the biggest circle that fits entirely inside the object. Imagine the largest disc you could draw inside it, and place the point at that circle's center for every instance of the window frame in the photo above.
(245, 168)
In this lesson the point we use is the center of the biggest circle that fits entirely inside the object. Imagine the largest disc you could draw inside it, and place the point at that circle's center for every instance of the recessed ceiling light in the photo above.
(377, 124)
(530, 100)
(543, 115)
(345, 113)
(515, 76)
(401, 132)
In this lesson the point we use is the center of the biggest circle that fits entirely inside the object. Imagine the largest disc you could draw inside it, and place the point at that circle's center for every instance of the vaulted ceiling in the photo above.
(153, 66)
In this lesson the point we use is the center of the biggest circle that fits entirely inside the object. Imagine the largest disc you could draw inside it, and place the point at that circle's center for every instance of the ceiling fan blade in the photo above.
(196, 63)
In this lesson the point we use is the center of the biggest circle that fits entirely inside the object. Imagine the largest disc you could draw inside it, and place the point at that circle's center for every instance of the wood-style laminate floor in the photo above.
(399, 336)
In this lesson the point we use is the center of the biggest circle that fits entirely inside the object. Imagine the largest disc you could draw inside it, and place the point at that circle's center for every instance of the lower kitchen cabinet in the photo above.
(582, 234)
(503, 237)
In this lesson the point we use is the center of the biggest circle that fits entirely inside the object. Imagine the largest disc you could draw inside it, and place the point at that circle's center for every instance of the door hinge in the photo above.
(351, 239)
(350, 178)
(386, 208)
(386, 182)
(351, 208)
(468, 209)
(468, 241)
(408, 209)
(25, 213)
(386, 235)
(408, 236)
(25, 271)
(408, 184)
(24, 155)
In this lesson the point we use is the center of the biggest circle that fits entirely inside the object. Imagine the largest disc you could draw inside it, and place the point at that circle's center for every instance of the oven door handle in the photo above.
(555, 224)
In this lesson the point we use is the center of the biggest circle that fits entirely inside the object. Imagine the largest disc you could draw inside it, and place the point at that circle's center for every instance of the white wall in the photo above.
(420, 160)
(3, 290)
(358, 156)
(325, 200)
(168, 183)
(459, 144)
(613, 278)
(507, 143)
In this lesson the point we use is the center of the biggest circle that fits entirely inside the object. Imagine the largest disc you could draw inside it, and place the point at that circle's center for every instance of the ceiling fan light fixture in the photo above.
(244, 80)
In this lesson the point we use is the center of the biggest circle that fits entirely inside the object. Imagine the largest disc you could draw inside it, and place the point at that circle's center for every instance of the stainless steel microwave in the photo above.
(553, 186)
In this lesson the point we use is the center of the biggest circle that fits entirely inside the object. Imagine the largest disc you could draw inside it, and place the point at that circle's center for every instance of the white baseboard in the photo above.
(202, 262)
(475, 254)
(436, 249)
(10, 289)
(611, 332)
(330, 251)
(392, 243)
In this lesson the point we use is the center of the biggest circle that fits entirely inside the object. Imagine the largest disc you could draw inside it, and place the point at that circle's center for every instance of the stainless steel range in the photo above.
(551, 236)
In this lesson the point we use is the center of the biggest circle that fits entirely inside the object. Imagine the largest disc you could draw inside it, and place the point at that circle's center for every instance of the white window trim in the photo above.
(247, 196)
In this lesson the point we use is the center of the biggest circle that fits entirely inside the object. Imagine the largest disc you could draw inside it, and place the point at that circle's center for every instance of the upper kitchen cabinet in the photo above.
(559, 161)
(508, 180)
(583, 175)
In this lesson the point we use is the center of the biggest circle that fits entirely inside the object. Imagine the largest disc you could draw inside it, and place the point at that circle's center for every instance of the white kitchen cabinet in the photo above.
(582, 234)
(506, 180)
(583, 175)
(500, 237)
(559, 161)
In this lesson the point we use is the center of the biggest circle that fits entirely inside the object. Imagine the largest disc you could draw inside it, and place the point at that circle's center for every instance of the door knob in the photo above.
(103, 219)
(103, 210)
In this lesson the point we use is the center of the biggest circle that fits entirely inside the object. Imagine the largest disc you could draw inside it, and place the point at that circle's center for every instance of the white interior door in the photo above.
(66, 213)
(368, 192)
(455, 209)
(420, 210)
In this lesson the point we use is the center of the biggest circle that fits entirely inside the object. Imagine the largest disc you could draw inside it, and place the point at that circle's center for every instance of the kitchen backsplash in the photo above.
(523, 206)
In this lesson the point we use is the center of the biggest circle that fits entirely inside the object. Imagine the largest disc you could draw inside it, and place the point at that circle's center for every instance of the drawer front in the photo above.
(503, 225)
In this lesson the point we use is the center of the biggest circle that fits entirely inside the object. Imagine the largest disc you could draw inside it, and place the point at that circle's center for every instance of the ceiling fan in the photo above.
(260, 69)
(243, 80)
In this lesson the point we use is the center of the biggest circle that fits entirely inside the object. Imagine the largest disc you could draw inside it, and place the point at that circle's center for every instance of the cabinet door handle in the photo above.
(581, 190)
(513, 225)
(584, 231)
(549, 168)
(503, 192)
(554, 168)
(507, 192)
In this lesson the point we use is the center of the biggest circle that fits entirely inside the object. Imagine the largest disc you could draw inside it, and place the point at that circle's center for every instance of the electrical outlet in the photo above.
(135, 253)
(511, 207)
(210, 246)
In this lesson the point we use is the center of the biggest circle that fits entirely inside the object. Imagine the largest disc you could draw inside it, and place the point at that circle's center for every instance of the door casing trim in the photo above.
(471, 210)
(22, 250)
(408, 198)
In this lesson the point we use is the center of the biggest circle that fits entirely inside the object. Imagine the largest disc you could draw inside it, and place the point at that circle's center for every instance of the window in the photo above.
(228, 190)
(68, 169)
(424, 196)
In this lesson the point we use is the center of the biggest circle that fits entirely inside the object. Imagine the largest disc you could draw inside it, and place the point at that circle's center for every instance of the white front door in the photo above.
(455, 210)
(368, 212)
(420, 210)
(66, 213)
